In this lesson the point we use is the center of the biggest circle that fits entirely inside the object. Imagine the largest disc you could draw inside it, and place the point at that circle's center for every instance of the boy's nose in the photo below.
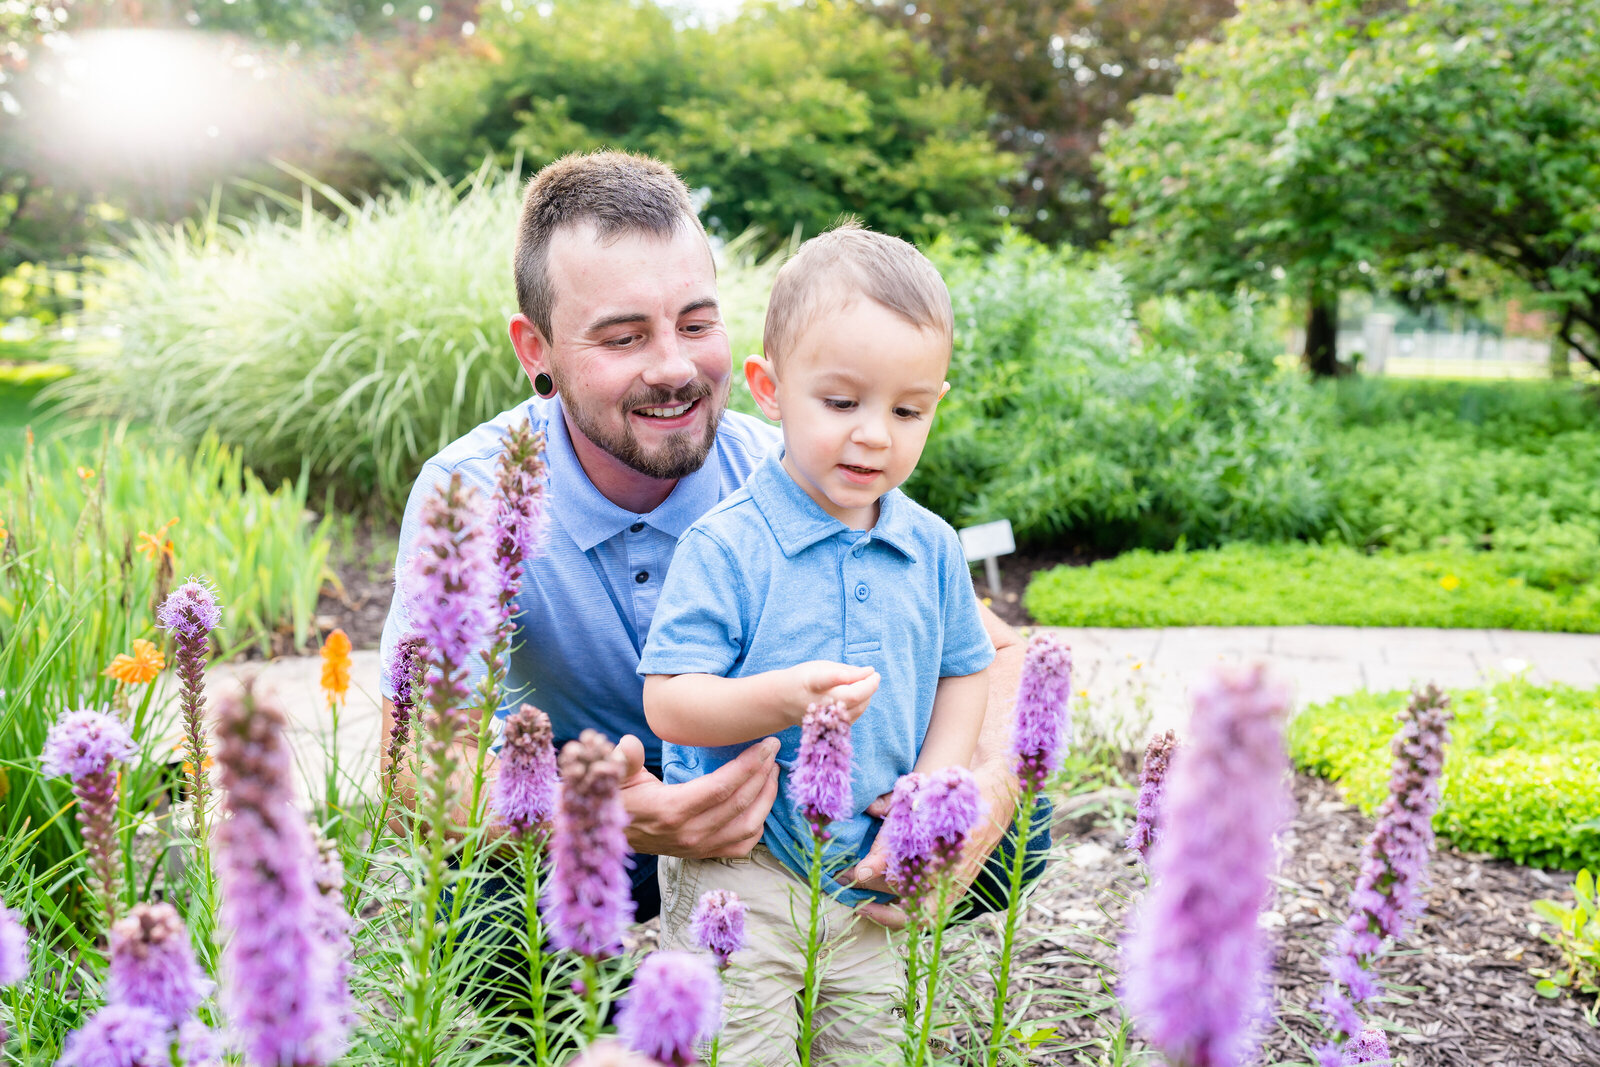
(870, 432)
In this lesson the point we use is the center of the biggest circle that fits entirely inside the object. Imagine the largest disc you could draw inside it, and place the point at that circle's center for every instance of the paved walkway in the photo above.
(1133, 680)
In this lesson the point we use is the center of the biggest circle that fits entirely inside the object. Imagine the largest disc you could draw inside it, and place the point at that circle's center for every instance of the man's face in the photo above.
(639, 354)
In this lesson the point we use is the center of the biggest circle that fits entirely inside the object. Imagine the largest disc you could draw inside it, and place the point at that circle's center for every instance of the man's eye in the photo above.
(698, 328)
(622, 342)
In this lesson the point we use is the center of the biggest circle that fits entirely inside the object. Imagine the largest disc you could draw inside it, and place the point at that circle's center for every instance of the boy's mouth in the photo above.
(858, 474)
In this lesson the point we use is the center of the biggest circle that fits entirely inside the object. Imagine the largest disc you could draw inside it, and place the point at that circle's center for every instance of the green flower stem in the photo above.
(920, 1056)
(808, 993)
(591, 1000)
(532, 848)
(1019, 863)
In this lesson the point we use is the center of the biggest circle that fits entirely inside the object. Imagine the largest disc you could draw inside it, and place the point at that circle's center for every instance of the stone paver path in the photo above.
(1134, 680)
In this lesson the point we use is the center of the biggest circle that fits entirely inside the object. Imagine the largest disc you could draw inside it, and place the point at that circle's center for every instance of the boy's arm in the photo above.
(708, 709)
(954, 724)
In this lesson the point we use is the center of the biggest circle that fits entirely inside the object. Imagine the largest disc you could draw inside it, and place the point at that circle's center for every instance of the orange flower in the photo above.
(336, 665)
(157, 544)
(85, 473)
(137, 669)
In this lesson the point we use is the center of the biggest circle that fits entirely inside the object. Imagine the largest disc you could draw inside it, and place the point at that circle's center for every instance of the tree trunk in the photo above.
(1322, 333)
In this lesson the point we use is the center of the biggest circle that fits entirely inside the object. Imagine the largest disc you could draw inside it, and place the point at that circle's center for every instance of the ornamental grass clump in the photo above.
(674, 1004)
(284, 986)
(1041, 734)
(930, 818)
(1195, 959)
(588, 900)
(1394, 866)
(1152, 780)
(84, 745)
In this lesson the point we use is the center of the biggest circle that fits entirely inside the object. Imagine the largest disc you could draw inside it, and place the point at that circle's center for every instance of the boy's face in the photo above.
(856, 397)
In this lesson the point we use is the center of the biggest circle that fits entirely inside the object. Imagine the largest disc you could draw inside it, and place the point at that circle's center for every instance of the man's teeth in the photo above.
(666, 413)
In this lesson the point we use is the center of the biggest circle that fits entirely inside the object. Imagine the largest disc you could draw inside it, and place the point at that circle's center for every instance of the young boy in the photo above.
(820, 580)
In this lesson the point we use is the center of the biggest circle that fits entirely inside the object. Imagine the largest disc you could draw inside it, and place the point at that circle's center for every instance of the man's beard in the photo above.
(679, 456)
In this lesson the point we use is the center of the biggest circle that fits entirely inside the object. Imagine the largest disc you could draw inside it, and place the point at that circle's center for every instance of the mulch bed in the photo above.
(1460, 988)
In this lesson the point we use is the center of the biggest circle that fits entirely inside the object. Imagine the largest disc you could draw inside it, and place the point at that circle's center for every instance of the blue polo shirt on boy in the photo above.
(766, 580)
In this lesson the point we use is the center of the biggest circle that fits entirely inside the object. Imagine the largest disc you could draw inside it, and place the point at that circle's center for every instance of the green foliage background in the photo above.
(1519, 777)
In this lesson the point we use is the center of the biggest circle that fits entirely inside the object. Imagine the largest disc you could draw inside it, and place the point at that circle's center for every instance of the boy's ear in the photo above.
(763, 386)
(943, 390)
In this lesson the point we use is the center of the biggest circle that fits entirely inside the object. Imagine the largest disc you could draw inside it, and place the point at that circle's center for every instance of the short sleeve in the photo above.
(698, 627)
(967, 648)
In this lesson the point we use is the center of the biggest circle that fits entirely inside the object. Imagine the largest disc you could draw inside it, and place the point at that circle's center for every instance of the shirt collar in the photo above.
(589, 518)
(798, 522)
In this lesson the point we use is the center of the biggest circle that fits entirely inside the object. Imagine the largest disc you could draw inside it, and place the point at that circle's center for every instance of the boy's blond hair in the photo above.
(834, 268)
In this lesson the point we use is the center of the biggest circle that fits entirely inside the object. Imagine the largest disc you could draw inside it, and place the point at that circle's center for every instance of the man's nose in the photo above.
(668, 365)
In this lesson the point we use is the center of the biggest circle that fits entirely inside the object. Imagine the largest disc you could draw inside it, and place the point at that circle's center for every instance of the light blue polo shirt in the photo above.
(766, 580)
(587, 601)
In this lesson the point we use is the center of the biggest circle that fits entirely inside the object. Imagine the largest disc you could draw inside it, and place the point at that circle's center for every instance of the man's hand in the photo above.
(819, 680)
(719, 815)
(996, 787)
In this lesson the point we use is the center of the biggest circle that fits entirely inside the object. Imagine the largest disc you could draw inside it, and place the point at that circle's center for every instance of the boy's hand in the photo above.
(819, 680)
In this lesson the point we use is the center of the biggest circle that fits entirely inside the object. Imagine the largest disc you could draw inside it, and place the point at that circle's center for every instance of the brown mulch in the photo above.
(359, 601)
(1460, 991)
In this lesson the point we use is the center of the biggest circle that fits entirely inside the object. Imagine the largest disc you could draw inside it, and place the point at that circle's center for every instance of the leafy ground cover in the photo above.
(1519, 776)
(1299, 584)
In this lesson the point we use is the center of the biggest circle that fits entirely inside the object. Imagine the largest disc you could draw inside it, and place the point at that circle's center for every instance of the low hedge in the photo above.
(1519, 776)
(1326, 585)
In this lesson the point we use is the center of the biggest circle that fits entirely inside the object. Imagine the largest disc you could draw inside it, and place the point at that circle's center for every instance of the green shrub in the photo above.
(1519, 776)
(1076, 421)
(1577, 938)
(1327, 585)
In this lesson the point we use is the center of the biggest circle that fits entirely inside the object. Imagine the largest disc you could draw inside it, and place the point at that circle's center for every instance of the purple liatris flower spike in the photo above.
(191, 613)
(930, 818)
(1195, 960)
(119, 1035)
(153, 964)
(1042, 728)
(1368, 1046)
(673, 1004)
(518, 514)
(404, 664)
(13, 948)
(1394, 863)
(821, 778)
(199, 1045)
(450, 590)
(718, 924)
(333, 924)
(524, 793)
(283, 990)
(83, 745)
(589, 899)
(1152, 776)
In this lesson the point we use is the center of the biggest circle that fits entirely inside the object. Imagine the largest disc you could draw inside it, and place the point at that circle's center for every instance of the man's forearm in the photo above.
(1005, 675)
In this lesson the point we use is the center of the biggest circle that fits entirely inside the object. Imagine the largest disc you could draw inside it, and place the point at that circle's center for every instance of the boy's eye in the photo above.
(908, 413)
(838, 404)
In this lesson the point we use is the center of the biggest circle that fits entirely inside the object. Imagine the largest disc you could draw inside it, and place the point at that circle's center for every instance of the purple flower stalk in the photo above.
(718, 925)
(1152, 777)
(518, 515)
(1394, 864)
(524, 793)
(930, 817)
(119, 1035)
(191, 613)
(673, 1005)
(1195, 960)
(284, 991)
(589, 899)
(13, 948)
(1368, 1046)
(199, 1045)
(403, 665)
(333, 924)
(83, 745)
(1042, 728)
(821, 778)
(153, 964)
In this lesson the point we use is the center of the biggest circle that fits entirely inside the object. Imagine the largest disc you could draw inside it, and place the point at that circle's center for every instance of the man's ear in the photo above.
(763, 386)
(532, 350)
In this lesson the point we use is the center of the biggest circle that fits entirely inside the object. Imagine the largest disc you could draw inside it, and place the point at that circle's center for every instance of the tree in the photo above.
(1342, 144)
(1054, 72)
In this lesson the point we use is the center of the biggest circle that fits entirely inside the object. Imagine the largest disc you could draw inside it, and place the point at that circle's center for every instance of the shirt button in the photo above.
(642, 577)
(636, 527)
(858, 550)
(862, 591)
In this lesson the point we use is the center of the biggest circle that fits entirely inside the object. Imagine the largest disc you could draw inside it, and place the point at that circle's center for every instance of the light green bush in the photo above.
(1519, 776)
(1311, 584)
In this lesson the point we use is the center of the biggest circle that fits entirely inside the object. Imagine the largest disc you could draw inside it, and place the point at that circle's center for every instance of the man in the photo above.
(620, 334)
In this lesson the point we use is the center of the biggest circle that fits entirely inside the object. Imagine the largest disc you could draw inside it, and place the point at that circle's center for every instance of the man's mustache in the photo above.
(667, 398)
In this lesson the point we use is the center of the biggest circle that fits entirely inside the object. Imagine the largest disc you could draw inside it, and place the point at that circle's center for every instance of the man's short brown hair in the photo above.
(834, 268)
(618, 192)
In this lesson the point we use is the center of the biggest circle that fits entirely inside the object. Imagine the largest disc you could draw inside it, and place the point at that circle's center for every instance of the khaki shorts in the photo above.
(862, 972)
